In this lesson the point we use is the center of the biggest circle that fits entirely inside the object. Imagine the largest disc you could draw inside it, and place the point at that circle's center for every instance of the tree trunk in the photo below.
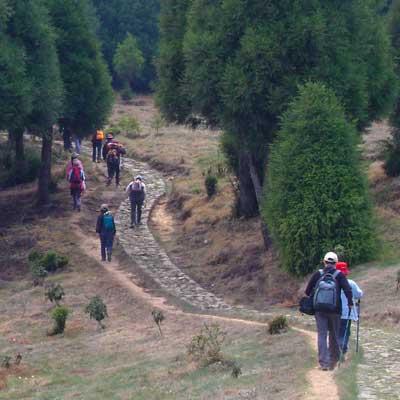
(45, 168)
(18, 135)
(248, 206)
(258, 189)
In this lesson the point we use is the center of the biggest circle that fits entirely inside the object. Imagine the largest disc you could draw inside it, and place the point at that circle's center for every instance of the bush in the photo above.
(157, 123)
(9, 176)
(130, 126)
(316, 194)
(126, 93)
(55, 294)
(6, 362)
(392, 154)
(60, 315)
(158, 317)
(278, 325)
(211, 183)
(51, 261)
(97, 310)
(205, 348)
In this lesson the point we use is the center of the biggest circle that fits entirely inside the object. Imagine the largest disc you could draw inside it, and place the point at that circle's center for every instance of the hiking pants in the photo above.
(76, 197)
(106, 241)
(96, 148)
(113, 170)
(344, 341)
(328, 355)
(136, 211)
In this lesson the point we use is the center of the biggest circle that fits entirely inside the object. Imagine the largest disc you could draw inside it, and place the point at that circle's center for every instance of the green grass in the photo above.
(346, 378)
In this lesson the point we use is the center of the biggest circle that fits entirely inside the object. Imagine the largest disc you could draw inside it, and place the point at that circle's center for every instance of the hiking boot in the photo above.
(324, 368)
(109, 257)
(79, 208)
(131, 226)
(103, 259)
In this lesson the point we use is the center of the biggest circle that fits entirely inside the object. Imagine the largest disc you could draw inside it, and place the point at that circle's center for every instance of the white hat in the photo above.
(331, 257)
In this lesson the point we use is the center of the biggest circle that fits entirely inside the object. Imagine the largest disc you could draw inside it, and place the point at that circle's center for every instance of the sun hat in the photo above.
(74, 155)
(342, 266)
(331, 257)
(139, 177)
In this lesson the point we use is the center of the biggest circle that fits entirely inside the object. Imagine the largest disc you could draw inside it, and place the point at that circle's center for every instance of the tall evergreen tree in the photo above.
(137, 17)
(316, 195)
(245, 60)
(87, 84)
(170, 96)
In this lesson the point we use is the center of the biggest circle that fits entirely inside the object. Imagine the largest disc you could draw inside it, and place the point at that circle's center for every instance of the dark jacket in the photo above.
(341, 284)
(100, 226)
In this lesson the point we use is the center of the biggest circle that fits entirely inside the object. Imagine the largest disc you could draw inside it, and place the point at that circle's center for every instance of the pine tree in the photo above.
(316, 194)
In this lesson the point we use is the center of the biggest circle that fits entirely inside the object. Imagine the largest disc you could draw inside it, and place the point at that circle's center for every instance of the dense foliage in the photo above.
(244, 61)
(137, 17)
(316, 194)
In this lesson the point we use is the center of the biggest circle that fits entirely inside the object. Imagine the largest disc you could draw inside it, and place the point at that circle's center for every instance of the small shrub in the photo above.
(18, 359)
(236, 371)
(38, 271)
(205, 348)
(126, 93)
(55, 294)
(157, 123)
(6, 362)
(51, 261)
(211, 185)
(97, 310)
(130, 126)
(60, 315)
(278, 325)
(158, 317)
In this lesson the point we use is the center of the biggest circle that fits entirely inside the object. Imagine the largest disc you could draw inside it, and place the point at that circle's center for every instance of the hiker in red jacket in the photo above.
(76, 183)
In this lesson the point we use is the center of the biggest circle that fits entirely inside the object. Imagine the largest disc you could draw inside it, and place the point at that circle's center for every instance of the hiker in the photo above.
(112, 151)
(78, 143)
(74, 156)
(105, 227)
(66, 135)
(137, 194)
(345, 322)
(325, 286)
(76, 179)
(97, 144)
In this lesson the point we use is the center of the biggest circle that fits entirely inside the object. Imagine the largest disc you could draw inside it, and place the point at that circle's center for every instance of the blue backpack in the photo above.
(108, 222)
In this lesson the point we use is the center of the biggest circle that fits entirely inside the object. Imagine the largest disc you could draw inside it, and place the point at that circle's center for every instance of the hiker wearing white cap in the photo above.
(325, 286)
(137, 194)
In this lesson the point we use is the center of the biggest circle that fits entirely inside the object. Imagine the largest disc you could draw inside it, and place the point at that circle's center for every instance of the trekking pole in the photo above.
(358, 325)
(344, 338)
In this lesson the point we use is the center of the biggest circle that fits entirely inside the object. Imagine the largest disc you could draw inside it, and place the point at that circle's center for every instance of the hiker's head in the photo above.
(139, 178)
(109, 136)
(75, 162)
(104, 208)
(74, 156)
(342, 267)
(330, 258)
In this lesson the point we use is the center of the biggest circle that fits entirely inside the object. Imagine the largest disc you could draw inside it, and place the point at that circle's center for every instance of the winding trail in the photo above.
(142, 248)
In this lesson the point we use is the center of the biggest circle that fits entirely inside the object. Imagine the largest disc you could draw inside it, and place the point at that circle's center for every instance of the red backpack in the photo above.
(75, 178)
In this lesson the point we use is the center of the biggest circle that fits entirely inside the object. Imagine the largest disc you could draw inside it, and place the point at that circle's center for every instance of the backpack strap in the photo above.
(335, 274)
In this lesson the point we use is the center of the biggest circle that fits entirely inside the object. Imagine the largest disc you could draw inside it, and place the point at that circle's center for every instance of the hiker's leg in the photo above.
(343, 323)
(139, 212)
(78, 199)
(117, 175)
(99, 144)
(344, 342)
(103, 246)
(132, 213)
(94, 151)
(109, 241)
(322, 327)
(334, 347)
(73, 193)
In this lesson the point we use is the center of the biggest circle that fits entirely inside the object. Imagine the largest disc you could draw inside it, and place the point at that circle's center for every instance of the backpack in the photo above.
(108, 222)
(326, 295)
(75, 178)
(136, 187)
(99, 135)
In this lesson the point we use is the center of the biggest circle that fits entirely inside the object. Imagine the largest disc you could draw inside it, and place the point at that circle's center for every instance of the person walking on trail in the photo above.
(77, 184)
(112, 152)
(325, 286)
(74, 157)
(137, 195)
(347, 317)
(106, 229)
(97, 144)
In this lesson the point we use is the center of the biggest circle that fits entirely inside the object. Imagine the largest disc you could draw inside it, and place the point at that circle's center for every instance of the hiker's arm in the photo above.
(128, 188)
(345, 285)
(311, 284)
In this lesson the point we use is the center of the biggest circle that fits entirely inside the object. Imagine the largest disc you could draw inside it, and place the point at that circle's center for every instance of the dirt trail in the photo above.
(322, 384)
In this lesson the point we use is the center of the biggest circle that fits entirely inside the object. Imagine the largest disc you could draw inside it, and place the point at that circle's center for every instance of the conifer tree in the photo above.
(316, 194)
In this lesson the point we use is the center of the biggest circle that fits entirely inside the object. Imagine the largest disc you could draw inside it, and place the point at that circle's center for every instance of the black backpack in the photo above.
(326, 293)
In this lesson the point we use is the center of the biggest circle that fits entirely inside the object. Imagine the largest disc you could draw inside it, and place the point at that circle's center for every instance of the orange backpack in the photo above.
(99, 135)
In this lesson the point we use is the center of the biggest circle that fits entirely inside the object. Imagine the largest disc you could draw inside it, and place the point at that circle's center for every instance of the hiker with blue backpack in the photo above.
(347, 317)
(137, 195)
(325, 287)
(106, 229)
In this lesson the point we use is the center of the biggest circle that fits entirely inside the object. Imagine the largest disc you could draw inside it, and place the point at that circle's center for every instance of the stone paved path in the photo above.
(379, 374)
